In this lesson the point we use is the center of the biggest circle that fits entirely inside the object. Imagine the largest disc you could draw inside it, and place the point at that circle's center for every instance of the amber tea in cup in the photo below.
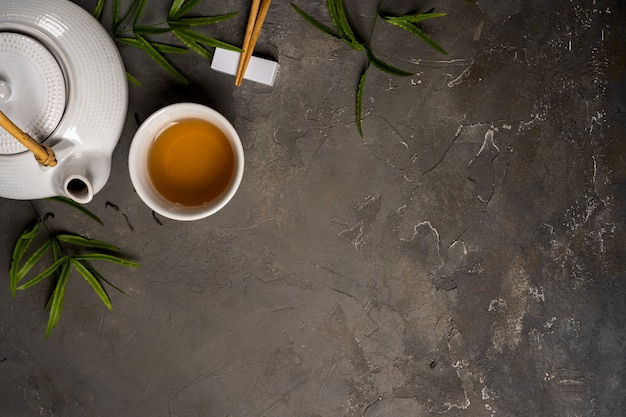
(191, 162)
(186, 161)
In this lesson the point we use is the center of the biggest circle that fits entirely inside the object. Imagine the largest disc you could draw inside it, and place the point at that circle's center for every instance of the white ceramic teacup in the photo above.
(142, 144)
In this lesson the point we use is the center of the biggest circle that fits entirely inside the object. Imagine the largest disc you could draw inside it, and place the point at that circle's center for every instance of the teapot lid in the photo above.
(32, 89)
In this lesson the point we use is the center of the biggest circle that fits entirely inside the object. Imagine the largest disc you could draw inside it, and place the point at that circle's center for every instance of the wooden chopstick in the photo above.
(253, 30)
(43, 153)
(254, 11)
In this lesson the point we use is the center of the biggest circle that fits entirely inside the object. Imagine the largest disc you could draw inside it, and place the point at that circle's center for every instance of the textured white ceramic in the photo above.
(138, 156)
(34, 97)
(95, 104)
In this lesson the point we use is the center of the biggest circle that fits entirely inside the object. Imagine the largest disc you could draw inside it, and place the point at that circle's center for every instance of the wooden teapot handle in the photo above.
(43, 153)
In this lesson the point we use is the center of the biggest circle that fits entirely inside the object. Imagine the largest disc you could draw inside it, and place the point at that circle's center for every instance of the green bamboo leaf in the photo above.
(35, 257)
(97, 12)
(383, 66)
(161, 47)
(193, 45)
(99, 277)
(186, 7)
(160, 59)
(57, 252)
(413, 18)
(150, 30)
(132, 79)
(169, 49)
(359, 101)
(334, 16)
(105, 257)
(418, 33)
(198, 21)
(132, 8)
(49, 302)
(207, 40)
(58, 297)
(88, 243)
(315, 23)
(19, 250)
(44, 274)
(345, 28)
(116, 14)
(95, 284)
(176, 4)
(140, 6)
(78, 207)
(129, 41)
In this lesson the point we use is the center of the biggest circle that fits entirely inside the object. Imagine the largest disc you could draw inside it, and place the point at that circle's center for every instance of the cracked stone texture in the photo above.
(464, 258)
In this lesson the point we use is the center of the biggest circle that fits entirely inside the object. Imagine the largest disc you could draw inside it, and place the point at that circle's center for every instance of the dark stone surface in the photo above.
(464, 258)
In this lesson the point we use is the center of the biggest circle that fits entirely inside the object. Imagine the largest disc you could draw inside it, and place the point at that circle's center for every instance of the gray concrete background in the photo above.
(464, 258)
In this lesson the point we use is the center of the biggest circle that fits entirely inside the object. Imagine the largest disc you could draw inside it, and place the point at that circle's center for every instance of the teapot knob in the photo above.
(5, 91)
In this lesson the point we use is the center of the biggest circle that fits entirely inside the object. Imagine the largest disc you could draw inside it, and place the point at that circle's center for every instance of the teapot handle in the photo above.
(43, 153)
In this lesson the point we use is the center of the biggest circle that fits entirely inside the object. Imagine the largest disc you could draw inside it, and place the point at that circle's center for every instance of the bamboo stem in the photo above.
(43, 153)
(255, 23)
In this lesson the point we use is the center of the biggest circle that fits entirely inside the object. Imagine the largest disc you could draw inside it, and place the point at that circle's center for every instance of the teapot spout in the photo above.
(81, 175)
(78, 188)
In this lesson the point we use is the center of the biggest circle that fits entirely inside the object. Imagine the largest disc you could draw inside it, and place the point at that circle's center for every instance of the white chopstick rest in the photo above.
(259, 70)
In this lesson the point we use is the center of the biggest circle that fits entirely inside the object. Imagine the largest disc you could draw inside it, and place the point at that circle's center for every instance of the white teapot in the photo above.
(62, 81)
